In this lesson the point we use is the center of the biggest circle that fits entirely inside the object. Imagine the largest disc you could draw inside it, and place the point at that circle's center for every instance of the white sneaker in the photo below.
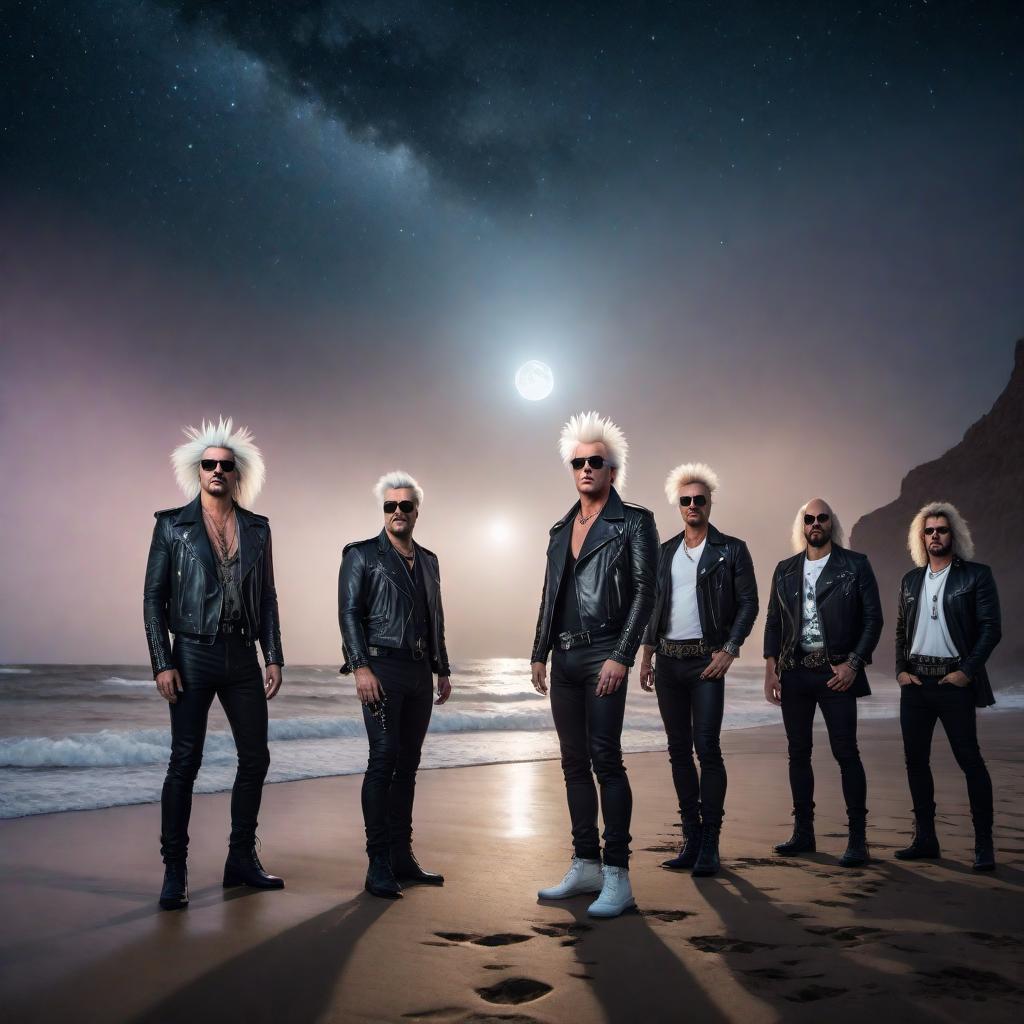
(616, 895)
(582, 876)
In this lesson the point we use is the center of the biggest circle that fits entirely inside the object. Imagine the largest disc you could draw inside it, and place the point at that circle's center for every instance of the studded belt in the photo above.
(567, 641)
(930, 665)
(684, 648)
(818, 659)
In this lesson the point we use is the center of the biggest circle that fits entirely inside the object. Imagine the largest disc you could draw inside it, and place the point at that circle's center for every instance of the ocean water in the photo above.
(78, 737)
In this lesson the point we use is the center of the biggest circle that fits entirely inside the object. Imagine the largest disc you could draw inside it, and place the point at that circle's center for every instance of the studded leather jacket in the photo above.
(615, 577)
(376, 602)
(183, 594)
(849, 612)
(726, 591)
(970, 604)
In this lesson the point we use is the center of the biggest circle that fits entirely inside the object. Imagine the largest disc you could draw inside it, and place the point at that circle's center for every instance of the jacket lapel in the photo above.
(192, 530)
(836, 568)
(607, 527)
(252, 538)
(913, 605)
(391, 564)
(711, 558)
(792, 585)
(954, 585)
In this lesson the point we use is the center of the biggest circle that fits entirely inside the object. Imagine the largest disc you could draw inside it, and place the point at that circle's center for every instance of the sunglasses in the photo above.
(406, 506)
(594, 461)
(821, 517)
(700, 500)
(940, 530)
(228, 465)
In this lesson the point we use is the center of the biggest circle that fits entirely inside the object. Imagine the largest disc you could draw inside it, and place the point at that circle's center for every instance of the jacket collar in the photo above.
(709, 557)
(607, 527)
(193, 533)
(396, 570)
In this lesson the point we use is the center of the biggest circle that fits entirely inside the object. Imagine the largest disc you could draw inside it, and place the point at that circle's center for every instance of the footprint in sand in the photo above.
(967, 983)
(995, 941)
(513, 991)
(500, 939)
(814, 992)
(667, 915)
(723, 944)
(853, 933)
(459, 1015)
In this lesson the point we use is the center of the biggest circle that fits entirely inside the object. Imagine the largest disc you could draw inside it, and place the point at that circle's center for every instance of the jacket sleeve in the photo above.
(650, 637)
(989, 622)
(155, 594)
(902, 646)
(871, 613)
(270, 619)
(441, 666)
(643, 560)
(773, 622)
(542, 643)
(350, 611)
(745, 587)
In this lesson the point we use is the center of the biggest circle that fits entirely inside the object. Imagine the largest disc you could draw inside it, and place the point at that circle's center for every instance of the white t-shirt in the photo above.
(684, 616)
(810, 628)
(931, 636)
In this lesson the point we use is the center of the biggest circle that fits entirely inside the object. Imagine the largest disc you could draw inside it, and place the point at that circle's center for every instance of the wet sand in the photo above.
(768, 939)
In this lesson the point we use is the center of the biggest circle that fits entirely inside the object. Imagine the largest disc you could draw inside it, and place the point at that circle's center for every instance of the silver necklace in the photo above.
(586, 519)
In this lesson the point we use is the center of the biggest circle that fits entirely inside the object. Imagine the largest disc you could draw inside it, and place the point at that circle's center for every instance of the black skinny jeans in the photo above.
(389, 784)
(804, 690)
(691, 709)
(920, 708)
(229, 670)
(590, 734)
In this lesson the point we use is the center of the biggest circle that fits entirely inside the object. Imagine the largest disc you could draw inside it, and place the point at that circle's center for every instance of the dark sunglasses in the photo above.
(406, 506)
(228, 465)
(595, 461)
(940, 530)
(821, 517)
(700, 500)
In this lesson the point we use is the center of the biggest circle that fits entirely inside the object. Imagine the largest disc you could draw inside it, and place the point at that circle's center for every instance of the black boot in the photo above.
(707, 860)
(856, 854)
(243, 867)
(984, 851)
(924, 845)
(687, 855)
(380, 879)
(802, 840)
(408, 871)
(174, 894)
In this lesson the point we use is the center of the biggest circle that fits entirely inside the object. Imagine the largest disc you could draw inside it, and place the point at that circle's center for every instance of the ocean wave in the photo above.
(119, 681)
(8, 671)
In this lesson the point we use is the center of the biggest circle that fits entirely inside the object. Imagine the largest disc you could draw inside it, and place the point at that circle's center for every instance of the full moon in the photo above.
(534, 380)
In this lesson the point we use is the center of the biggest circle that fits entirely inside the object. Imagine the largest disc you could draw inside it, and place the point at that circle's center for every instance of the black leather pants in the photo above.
(228, 669)
(691, 709)
(389, 785)
(920, 708)
(590, 734)
(804, 690)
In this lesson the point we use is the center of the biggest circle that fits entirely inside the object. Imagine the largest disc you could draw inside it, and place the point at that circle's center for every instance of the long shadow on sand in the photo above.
(291, 977)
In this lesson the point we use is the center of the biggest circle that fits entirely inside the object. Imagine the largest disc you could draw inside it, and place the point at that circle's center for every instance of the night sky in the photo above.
(783, 238)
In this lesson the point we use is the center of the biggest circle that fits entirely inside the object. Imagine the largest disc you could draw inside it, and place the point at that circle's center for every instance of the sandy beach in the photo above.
(766, 940)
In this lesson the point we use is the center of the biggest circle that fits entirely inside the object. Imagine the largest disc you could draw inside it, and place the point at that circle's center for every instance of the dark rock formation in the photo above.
(984, 477)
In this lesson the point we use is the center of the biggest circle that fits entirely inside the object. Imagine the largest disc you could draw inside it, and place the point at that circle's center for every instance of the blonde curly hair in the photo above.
(963, 545)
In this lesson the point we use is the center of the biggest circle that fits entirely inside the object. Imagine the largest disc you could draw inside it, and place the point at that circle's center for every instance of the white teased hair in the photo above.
(963, 545)
(394, 480)
(690, 473)
(589, 428)
(249, 466)
(800, 541)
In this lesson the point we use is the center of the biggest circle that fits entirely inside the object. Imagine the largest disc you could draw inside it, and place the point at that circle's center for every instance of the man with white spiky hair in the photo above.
(823, 624)
(210, 582)
(706, 606)
(947, 627)
(392, 632)
(599, 588)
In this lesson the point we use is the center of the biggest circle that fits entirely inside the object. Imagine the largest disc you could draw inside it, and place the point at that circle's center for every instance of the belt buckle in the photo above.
(565, 641)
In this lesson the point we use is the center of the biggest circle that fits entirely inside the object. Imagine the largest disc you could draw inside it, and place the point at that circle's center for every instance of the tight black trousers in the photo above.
(229, 670)
(691, 709)
(389, 784)
(804, 690)
(920, 708)
(590, 737)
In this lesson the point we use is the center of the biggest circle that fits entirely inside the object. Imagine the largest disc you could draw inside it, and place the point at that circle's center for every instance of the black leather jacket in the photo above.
(183, 593)
(726, 591)
(849, 610)
(615, 576)
(376, 603)
(970, 603)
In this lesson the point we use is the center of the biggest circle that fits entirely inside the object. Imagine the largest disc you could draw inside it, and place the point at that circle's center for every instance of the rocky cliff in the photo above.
(983, 476)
